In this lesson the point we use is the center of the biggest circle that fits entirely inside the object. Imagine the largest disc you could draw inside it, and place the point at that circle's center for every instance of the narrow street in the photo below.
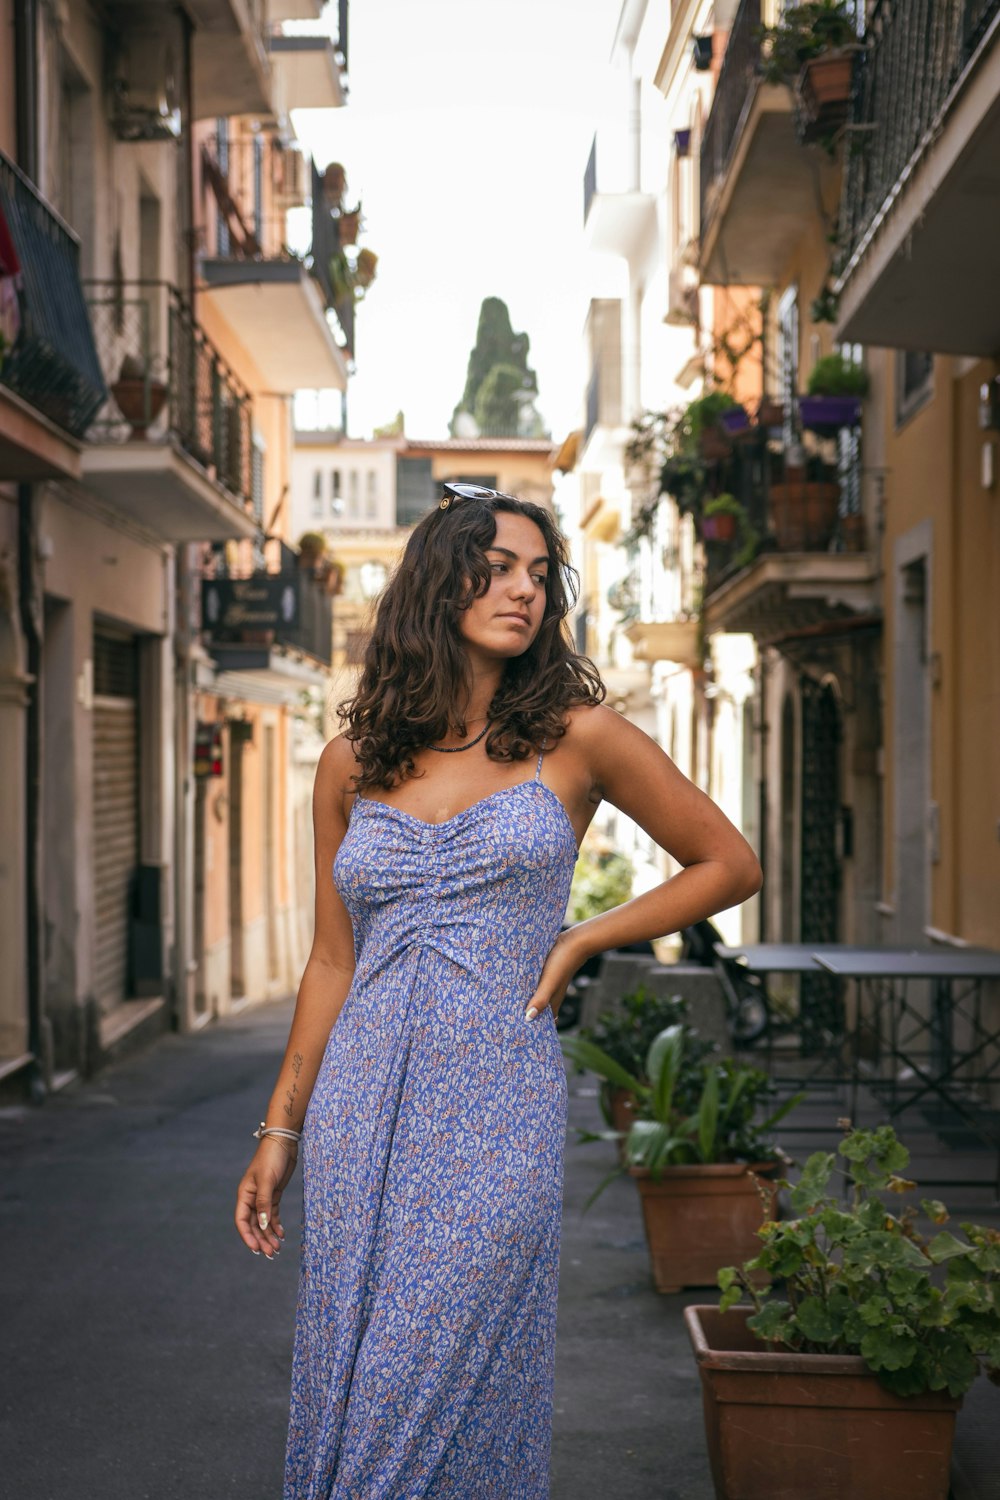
(149, 1354)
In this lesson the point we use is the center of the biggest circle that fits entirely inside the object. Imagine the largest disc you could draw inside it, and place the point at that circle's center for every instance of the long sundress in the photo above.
(433, 1159)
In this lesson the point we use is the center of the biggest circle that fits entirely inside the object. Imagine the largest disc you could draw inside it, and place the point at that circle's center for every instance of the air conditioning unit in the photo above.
(146, 84)
(682, 298)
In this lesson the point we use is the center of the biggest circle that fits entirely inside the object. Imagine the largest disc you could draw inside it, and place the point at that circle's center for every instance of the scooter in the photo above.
(747, 1003)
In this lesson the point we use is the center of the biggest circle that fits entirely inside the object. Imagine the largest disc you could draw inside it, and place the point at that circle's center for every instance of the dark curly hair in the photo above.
(416, 669)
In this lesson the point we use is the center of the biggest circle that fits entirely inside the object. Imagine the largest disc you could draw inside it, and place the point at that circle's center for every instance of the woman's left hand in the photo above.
(562, 963)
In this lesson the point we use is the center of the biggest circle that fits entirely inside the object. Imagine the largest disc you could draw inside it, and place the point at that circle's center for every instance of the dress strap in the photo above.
(538, 768)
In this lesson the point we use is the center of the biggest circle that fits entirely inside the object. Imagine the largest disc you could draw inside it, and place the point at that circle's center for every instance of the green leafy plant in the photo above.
(859, 1279)
(701, 414)
(690, 1107)
(600, 881)
(617, 1046)
(804, 32)
(747, 535)
(833, 375)
(824, 307)
(723, 1124)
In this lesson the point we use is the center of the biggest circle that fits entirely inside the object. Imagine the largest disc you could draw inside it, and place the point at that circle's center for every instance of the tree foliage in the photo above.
(499, 385)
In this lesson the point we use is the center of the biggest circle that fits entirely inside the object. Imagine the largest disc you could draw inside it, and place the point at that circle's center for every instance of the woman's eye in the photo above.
(540, 578)
(499, 567)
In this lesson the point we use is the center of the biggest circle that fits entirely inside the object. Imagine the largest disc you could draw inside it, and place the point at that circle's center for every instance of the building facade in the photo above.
(145, 446)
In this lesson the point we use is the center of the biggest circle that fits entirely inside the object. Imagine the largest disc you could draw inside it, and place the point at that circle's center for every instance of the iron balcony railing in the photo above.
(286, 603)
(735, 88)
(168, 383)
(812, 506)
(915, 56)
(47, 353)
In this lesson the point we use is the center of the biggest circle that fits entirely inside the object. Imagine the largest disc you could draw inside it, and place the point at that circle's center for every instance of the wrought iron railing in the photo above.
(811, 506)
(167, 382)
(288, 603)
(736, 85)
(915, 55)
(47, 354)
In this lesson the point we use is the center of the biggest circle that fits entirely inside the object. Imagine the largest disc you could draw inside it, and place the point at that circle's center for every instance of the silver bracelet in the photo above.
(264, 1129)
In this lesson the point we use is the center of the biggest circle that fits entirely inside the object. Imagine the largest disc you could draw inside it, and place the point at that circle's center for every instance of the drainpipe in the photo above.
(26, 125)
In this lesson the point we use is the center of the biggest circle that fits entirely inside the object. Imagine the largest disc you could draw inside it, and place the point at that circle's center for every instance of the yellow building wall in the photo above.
(527, 475)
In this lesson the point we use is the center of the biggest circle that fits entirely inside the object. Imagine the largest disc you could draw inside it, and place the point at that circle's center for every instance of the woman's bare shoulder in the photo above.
(336, 768)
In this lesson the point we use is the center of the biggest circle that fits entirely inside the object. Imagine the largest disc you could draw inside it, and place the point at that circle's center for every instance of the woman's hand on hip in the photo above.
(562, 963)
(258, 1197)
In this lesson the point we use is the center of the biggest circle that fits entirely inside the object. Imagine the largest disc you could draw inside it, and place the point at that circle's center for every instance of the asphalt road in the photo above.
(147, 1354)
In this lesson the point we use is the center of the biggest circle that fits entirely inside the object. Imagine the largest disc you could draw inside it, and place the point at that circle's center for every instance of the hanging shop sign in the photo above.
(266, 601)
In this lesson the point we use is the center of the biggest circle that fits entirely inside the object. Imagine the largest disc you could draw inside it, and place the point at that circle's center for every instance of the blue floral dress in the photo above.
(432, 1162)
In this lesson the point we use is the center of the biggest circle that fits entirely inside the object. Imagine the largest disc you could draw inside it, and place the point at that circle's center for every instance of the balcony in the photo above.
(616, 219)
(306, 73)
(264, 292)
(50, 379)
(271, 630)
(230, 68)
(758, 185)
(666, 640)
(172, 445)
(809, 569)
(920, 209)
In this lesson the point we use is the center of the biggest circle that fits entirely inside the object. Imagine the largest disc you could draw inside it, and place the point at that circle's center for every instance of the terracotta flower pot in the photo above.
(803, 514)
(720, 528)
(140, 402)
(781, 1426)
(852, 532)
(699, 1218)
(770, 413)
(714, 445)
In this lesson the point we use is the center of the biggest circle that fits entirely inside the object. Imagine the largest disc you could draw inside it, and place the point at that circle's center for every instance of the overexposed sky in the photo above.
(466, 138)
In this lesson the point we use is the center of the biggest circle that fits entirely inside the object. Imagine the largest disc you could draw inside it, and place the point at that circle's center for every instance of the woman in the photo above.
(422, 1068)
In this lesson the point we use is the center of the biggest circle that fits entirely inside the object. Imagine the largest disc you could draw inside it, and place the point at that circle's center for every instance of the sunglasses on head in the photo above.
(470, 492)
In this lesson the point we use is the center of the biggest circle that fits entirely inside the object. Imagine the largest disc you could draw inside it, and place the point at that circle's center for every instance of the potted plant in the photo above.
(698, 1159)
(312, 548)
(812, 49)
(701, 428)
(866, 1352)
(770, 412)
(139, 397)
(721, 519)
(836, 388)
(625, 1037)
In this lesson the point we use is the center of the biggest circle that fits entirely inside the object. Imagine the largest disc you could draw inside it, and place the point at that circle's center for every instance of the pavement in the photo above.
(147, 1354)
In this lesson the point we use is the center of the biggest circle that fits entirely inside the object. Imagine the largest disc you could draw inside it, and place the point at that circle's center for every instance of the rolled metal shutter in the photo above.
(116, 812)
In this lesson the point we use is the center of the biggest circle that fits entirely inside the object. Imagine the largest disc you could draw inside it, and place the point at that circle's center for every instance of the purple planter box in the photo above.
(734, 420)
(829, 413)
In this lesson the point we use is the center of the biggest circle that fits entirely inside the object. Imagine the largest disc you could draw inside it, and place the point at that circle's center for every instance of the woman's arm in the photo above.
(322, 992)
(629, 769)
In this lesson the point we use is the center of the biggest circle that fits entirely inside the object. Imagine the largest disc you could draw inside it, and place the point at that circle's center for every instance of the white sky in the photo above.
(466, 138)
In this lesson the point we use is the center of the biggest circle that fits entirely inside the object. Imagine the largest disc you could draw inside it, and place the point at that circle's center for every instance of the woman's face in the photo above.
(505, 620)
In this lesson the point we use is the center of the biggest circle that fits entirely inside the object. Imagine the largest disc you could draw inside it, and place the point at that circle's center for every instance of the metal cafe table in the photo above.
(918, 1034)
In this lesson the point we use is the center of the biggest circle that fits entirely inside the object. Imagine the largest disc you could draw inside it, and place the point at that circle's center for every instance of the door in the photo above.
(115, 811)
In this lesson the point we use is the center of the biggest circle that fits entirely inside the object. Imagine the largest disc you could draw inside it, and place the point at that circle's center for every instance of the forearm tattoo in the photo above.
(291, 1093)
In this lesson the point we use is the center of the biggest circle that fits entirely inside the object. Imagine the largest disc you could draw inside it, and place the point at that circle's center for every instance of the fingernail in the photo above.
(254, 1252)
(530, 1013)
(262, 1220)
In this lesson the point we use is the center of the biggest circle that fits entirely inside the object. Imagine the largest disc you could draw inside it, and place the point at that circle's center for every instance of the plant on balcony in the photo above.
(139, 396)
(836, 388)
(726, 520)
(703, 424)
(812, 49)
(312, 548)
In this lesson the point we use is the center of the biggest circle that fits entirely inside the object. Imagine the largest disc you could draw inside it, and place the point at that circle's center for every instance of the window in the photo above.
(317, 492)
(914, 382)
(222, 156)
(788, 357)
(416, 491)
(372, 576)
(371, 494)
(352, 494)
